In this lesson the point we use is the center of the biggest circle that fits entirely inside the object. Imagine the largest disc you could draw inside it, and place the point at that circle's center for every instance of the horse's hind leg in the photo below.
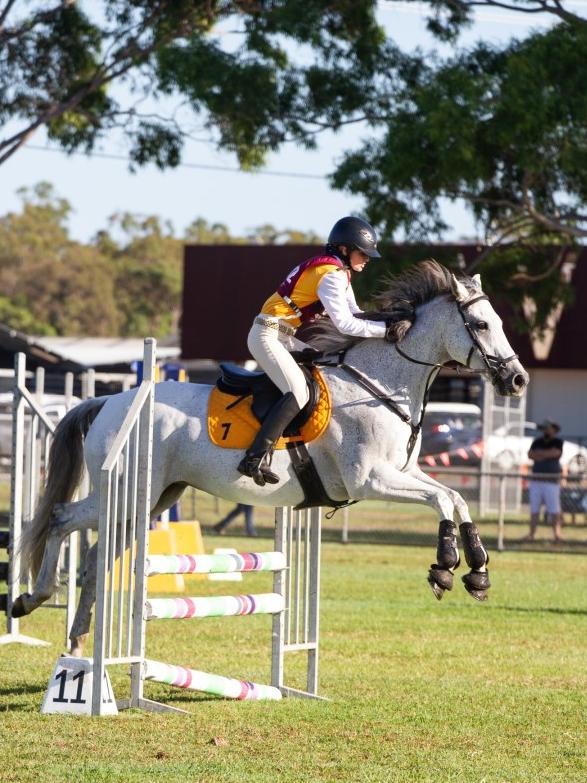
(66, 518)
(80, 627)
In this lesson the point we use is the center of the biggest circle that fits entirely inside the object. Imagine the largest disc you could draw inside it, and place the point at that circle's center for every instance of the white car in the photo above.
(508, 450)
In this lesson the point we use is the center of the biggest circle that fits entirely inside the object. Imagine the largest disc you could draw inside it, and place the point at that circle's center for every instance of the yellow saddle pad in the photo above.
(236, 427)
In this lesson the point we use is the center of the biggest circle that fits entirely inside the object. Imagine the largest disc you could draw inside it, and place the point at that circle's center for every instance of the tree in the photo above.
(145, 259)
(82, 71)
(48, 283)
(448, 17)
(502, 128)
(126, 282)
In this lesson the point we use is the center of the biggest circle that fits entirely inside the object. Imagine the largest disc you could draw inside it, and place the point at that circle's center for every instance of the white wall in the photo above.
(560, 395)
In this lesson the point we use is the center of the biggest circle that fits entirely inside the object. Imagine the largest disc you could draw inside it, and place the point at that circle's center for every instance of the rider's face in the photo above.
(358, 260)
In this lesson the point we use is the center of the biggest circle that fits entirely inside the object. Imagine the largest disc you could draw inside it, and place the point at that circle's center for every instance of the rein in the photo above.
(494, 365)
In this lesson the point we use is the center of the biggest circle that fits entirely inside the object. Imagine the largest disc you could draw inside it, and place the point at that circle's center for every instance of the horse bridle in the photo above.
(494, 364)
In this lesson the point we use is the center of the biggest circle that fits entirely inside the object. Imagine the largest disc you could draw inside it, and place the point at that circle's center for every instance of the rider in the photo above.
(322, 283)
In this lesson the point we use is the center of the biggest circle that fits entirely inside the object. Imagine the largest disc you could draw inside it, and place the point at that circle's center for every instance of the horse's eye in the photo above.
(483, 326)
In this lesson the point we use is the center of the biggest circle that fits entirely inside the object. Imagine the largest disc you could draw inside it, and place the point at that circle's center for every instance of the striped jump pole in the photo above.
(215, 564)
(213, 606)
(193, 680)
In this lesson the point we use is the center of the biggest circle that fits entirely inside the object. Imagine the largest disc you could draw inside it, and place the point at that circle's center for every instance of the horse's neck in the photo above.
(406, 381)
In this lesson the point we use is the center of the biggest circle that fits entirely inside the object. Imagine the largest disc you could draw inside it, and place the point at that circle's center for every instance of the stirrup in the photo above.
(254, 467)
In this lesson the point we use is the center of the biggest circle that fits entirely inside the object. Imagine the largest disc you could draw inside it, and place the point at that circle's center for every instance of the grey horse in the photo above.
(369, 450)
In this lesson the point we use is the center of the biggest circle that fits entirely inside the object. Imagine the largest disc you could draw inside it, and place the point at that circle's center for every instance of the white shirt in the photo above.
(338, 298)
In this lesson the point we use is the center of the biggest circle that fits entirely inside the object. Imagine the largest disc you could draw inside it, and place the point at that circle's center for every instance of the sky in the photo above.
(101, 185)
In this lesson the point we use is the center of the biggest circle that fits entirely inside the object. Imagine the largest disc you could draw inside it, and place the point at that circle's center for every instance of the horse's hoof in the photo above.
(77, 645)
(478, 595)
(477, 584)
(439, 579)
(19, 608)
(436, 589)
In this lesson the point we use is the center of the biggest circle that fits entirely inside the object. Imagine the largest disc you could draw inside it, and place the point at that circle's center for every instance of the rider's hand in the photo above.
(389, 333)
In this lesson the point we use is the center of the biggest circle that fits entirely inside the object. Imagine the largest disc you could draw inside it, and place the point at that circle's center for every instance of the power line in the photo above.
(200, 166)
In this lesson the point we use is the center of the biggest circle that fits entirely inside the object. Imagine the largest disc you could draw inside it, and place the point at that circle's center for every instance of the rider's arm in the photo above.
(333, 295)
(353, 306)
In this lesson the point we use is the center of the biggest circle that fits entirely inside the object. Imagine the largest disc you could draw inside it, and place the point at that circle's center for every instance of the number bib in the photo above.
(233, 426)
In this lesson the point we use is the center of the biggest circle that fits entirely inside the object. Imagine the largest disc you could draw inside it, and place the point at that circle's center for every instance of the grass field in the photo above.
(419, 690)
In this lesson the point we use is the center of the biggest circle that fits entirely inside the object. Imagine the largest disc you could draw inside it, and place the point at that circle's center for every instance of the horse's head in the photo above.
(475, 338)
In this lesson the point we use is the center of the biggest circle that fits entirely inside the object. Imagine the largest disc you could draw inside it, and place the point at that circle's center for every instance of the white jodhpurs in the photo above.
(268, 346)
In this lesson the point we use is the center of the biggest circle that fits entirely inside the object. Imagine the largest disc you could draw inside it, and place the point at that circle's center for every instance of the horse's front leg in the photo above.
(66, 518)
(386, 483)
(477, 580)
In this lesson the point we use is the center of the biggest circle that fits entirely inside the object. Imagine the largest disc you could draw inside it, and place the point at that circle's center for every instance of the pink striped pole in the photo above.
(213, 606)
(194, 680)
(215, 564)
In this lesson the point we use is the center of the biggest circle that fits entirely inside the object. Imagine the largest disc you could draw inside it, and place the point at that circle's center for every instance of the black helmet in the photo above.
(355, 232)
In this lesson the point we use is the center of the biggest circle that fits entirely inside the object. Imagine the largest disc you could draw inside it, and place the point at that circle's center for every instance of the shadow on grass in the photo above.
(542, 610)
(19, 695)
(186, 695)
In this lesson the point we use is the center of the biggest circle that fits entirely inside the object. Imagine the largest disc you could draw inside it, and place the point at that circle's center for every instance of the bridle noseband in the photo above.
(494, 364)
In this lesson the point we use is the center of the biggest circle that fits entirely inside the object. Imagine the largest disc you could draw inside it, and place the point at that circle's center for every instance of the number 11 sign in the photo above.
(70, 688)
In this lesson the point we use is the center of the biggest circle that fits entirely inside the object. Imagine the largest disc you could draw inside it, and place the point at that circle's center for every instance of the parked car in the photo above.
(508, 450)
(54, 405)
(452, 428)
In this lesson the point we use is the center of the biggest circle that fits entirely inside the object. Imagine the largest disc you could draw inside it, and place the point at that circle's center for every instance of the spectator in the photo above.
(240, 508)
(545, 452)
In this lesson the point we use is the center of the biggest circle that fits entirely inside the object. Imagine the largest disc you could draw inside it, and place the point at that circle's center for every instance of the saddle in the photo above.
(242, 399)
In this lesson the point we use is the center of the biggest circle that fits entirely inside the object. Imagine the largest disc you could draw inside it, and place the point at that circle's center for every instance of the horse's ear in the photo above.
(459, 291)
(477, 280)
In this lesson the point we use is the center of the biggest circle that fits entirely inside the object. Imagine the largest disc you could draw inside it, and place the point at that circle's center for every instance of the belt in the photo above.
(274, 324)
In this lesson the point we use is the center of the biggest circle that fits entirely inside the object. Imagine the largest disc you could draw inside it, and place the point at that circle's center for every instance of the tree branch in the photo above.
(524, 277)
(13, 32)
(557, 8)
(131, 54)
(5, 11)
(506, 6)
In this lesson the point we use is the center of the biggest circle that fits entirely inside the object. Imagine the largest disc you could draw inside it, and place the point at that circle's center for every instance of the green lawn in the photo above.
(419, 690)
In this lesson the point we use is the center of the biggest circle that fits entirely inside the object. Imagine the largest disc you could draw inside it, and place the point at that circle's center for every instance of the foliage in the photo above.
(502, 128)
(146, 267)
(49, 283)
(126, 282)
(84, 70)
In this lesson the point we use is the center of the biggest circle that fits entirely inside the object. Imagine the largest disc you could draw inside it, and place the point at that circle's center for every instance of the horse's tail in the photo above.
(65, 470)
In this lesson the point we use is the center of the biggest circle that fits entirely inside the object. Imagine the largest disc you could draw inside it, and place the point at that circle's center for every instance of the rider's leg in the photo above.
(254, 462)
(265, 344)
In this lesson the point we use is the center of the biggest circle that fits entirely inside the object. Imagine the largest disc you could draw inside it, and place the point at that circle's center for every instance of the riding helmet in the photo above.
(355, 232)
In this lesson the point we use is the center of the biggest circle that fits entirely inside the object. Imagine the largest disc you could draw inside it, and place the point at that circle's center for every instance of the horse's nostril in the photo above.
(518, 381)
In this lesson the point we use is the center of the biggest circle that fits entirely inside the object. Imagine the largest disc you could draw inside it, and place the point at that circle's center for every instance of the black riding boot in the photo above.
(253, 463)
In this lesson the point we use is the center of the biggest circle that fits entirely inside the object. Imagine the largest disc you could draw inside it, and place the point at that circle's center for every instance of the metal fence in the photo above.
(504, 484)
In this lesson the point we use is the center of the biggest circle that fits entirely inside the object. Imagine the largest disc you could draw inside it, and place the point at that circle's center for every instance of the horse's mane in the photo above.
(396, 302)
